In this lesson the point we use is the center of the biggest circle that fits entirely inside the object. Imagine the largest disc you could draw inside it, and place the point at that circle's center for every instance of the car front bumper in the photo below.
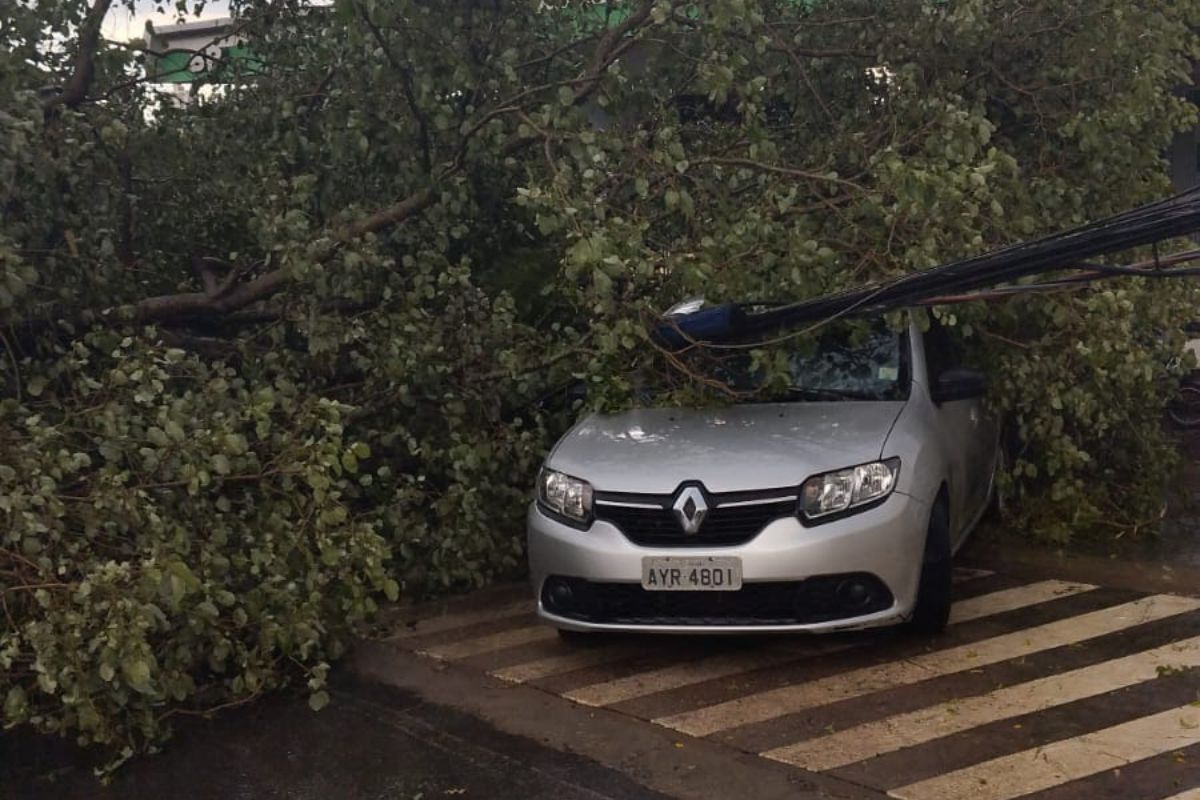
(886, 541)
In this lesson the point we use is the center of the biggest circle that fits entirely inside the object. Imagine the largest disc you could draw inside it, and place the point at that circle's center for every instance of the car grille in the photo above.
(820, 599)
(723, 525)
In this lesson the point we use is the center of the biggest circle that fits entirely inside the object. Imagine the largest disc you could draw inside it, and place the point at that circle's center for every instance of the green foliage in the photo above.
(171, 538)
(300, 344)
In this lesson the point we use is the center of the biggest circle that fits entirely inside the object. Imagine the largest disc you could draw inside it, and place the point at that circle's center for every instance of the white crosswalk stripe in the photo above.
(566, 662)
(490, 642)
(690, 673)
(1011, 599)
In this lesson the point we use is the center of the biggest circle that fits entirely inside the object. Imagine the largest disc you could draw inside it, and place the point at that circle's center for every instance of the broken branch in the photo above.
(84, 68)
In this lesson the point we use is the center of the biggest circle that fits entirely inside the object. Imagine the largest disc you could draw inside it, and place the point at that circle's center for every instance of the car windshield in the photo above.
(857, 360)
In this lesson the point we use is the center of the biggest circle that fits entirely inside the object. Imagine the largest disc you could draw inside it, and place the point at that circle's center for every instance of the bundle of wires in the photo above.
(1148, 225)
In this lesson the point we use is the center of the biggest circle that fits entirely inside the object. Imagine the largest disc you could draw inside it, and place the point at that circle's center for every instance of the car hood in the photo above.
(741, 448)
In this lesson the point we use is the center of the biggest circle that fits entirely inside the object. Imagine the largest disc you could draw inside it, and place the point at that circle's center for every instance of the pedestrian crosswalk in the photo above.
(890, 675)
(1041, 689)
(1046, 766)
(933, 722)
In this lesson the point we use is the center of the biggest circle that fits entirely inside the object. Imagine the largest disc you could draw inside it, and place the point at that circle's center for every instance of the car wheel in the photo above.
(932, 610)
(1184, 411)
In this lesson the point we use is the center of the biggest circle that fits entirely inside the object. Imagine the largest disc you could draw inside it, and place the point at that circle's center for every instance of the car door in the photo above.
(965, 431)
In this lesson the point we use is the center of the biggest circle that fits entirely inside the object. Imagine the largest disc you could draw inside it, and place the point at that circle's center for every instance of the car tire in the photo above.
(932, 610)
(1184, 411)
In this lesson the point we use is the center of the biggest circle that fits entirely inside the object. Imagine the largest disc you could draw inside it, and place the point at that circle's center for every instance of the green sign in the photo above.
(213, 63)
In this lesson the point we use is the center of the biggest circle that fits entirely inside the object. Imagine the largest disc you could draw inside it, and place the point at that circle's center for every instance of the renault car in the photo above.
(837, 504)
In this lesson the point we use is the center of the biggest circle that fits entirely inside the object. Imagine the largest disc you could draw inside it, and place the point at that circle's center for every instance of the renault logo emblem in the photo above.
(690, 509)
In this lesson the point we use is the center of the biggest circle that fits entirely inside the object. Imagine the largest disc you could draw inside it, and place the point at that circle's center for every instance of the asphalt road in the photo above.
(370, 742)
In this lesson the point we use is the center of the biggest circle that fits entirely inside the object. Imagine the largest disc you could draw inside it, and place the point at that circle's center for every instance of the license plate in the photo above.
(711, 574)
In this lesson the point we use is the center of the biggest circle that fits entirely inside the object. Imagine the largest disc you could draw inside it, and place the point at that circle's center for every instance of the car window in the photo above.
(866, 363)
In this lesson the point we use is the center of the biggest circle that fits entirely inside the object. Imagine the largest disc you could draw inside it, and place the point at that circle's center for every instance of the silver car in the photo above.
(840, 508)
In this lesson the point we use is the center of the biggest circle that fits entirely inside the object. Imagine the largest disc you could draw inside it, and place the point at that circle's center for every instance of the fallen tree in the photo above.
(301, 343)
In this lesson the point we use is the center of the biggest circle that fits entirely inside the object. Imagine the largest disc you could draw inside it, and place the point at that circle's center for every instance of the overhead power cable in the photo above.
(1148, 225)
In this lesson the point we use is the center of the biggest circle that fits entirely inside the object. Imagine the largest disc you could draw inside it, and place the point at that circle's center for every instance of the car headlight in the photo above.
(565, 496)
(834, 492)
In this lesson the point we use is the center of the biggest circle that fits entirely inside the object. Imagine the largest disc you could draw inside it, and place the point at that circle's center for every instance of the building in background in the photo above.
(203, 50)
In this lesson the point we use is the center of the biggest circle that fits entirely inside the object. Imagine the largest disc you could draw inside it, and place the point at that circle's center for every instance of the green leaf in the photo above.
(15, 704)
(136, 671)
(601, 281)
(174, 430)
(177, 590)
(318, 700)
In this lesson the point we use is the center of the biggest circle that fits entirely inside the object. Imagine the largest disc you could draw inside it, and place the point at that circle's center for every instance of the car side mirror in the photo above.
(960, 383)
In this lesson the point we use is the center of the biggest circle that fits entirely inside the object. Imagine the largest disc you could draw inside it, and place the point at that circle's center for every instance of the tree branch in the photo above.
(206, 274)
(406, 84)
(84, 70)
(408, 207)
(203, 304)
(759, 166)
(611, 47)
(795, 58)
(555, 52)
(221, 298)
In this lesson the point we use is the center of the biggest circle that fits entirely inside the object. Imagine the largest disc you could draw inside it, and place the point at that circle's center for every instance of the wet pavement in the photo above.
(370, 742)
